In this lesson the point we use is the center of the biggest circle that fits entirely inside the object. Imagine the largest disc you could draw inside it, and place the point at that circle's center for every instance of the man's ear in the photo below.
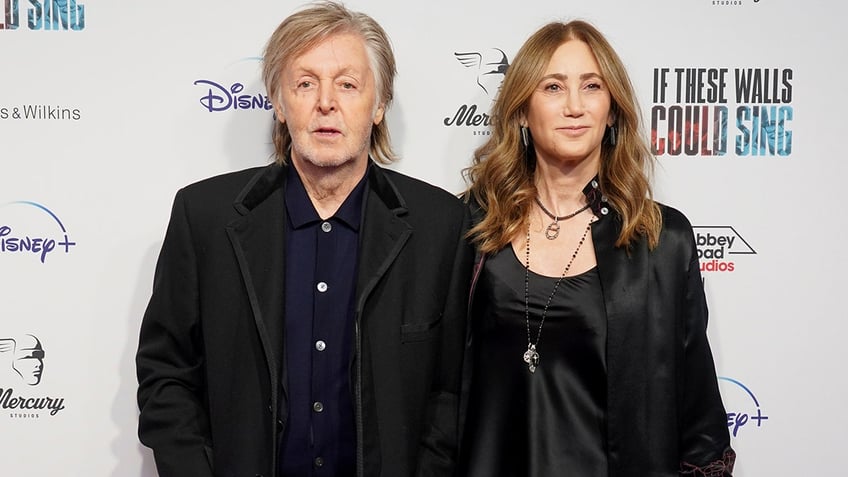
(278, 110)
(378, 114)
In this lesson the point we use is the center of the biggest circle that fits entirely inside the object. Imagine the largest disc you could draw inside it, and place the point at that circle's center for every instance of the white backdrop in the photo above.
(104, 117)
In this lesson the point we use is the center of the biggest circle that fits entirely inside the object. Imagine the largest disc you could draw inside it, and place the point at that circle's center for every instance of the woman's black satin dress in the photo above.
(551, 422)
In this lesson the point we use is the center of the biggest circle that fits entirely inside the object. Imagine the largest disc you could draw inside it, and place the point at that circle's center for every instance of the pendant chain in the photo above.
(531, 356)
(552, 231)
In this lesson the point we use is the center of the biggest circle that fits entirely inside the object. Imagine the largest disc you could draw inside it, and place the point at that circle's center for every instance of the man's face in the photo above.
(328, 100)
(28, 362)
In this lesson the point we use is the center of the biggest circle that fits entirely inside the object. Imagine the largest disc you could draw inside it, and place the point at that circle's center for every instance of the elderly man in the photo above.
(308, 317)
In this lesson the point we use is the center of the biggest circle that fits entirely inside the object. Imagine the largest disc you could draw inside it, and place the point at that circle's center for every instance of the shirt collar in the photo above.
(597, 200)
(301, 212)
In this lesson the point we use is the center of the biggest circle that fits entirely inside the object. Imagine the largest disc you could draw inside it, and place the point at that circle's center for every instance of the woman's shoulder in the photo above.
(676, 227)
(674, 220)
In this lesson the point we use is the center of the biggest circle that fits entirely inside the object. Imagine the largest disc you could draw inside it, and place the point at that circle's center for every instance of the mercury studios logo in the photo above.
(29, 229)
(46, 15)
(717, 246)
(487, 70)
(22, 364)
(490, 74)
(221, 95)
(744, 411)
(732, 3)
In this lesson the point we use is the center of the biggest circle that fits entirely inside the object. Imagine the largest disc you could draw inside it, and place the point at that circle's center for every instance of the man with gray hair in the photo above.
(308, 318)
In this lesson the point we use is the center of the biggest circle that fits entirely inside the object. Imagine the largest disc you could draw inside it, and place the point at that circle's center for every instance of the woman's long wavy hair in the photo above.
(501, 176)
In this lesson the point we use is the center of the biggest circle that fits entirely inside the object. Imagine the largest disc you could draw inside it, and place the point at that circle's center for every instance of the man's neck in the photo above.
(328, 187)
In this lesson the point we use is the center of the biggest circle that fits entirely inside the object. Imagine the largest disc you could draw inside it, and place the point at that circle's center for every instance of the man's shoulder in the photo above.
(221, 184)
(215, 198)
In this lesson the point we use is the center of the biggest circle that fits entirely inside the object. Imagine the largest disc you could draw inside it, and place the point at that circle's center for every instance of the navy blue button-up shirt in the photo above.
(321, 260)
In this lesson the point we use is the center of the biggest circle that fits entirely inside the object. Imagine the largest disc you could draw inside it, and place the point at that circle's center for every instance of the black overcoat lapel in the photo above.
(258, 242)
(383, 233)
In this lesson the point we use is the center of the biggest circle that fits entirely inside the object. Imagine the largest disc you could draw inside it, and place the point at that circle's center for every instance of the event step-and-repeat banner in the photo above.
(108, 107)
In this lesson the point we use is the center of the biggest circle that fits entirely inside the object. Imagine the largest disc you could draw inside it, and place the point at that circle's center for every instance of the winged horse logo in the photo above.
(490, 70)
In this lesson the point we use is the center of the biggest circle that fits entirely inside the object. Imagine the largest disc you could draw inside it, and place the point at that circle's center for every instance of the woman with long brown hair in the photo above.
(589, 355)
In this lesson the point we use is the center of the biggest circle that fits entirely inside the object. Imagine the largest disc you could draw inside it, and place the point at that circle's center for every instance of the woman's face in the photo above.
(570, 108)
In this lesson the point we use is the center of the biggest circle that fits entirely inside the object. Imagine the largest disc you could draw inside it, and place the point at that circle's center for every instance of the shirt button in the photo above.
(594, 184)
(320, 345)
(604, 211)
(326, 226)
(317, 406)
(319, 462)
(322, 287)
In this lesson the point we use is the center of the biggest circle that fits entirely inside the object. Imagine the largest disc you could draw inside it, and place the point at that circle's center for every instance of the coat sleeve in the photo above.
(440, 438)
(704, 438)
(173, 418)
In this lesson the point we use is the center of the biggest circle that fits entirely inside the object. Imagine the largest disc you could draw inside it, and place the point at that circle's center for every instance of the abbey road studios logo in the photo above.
(719, 246)
(22, 360)
(486, 69)
(32, 230)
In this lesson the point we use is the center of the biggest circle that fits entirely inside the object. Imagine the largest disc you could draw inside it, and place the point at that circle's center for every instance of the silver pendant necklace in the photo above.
(531, 356)
(552, 231)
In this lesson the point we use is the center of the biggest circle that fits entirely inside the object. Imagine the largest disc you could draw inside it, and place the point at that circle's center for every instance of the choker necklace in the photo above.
(552, 231)
(531, 356)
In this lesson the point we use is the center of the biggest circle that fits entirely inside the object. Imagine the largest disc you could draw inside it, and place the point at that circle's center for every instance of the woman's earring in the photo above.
(525, 139)
(611, 135)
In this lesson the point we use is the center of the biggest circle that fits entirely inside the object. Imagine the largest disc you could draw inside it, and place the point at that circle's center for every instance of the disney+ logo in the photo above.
(39, 243)
(743, 407)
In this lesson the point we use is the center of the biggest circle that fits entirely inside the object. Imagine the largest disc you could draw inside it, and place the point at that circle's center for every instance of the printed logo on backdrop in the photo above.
(42, 15)
(745, 413)
(732, 3)
(33, 232)
(707, 111)
(21, 371)
(219, 95)
(718, 247)
(39, 112)
(486, 69)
